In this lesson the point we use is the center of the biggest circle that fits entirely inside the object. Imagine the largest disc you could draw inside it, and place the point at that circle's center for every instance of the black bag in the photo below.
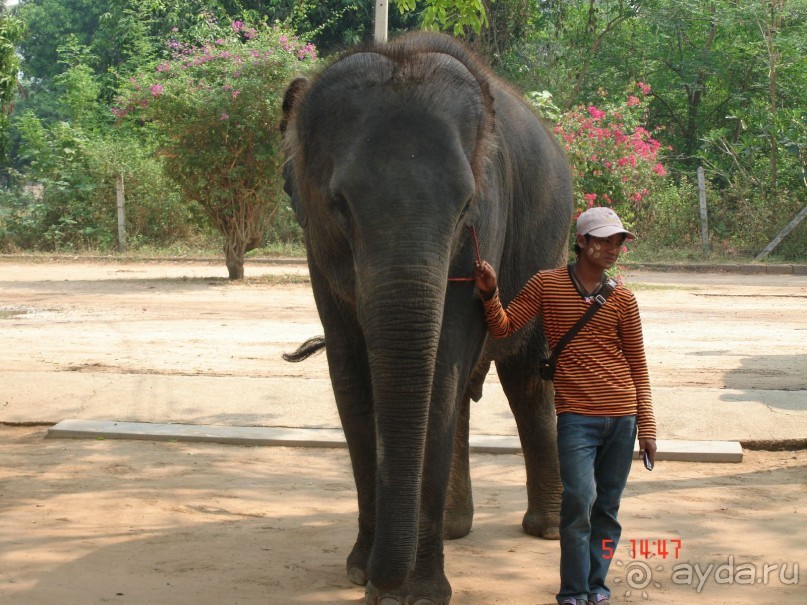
(546, 368)
(547, 365)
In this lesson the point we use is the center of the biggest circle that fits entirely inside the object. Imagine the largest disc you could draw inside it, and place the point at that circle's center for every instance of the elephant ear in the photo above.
(291, 190)
(291, 100)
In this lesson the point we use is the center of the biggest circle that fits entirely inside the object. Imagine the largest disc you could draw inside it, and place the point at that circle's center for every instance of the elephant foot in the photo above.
(457, 523)
(412, 592)
(545, 526)
(357, 565)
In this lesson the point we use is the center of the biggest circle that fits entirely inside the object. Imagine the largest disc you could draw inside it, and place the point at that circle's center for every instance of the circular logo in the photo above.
(638, 576)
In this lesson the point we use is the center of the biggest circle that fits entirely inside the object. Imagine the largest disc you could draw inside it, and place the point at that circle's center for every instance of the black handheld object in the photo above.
(647, 464)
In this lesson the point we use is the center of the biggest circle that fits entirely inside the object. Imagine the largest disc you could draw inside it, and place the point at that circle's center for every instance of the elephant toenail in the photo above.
(357, 576)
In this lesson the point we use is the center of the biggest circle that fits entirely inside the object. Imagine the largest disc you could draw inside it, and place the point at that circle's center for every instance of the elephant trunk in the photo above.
(401, 315)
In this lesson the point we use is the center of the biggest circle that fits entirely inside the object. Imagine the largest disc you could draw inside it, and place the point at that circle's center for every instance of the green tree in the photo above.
(11, 31)
(215, 109)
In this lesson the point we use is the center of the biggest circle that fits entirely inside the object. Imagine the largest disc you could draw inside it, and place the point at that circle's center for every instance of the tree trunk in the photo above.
(769, 29)
(234, 249)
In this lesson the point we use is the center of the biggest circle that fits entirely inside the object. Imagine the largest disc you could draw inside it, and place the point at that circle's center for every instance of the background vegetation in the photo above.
(95, 93)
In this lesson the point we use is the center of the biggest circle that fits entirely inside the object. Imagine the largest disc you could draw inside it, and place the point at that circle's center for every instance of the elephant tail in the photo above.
(306, 350)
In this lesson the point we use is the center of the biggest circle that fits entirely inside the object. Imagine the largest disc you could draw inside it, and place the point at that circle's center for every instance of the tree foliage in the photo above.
(728, 79)
(11, 31)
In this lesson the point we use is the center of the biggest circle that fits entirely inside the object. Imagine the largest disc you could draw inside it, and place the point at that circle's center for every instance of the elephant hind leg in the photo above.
(532, 403)
(458, 515)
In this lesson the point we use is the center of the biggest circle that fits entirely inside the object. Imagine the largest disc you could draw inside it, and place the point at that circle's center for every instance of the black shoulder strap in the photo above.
(596, 303)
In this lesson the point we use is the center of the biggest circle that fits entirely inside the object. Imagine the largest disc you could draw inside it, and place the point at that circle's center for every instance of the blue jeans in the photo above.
(595, 455)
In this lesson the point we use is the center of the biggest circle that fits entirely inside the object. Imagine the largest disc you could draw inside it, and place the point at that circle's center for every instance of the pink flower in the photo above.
(224, 116)
(595, 113)
(659, 170)
(156, 90)
(236, 93)
(163, 67)
(645, 88)
(633, 101)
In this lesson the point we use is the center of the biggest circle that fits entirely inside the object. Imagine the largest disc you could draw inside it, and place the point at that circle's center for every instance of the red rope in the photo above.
(478, 257)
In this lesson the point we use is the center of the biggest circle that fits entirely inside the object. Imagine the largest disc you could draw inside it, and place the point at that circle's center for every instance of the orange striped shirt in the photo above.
(603, 370)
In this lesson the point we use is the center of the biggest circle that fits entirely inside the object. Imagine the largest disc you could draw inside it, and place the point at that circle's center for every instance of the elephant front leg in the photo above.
(532, 403)
(354, 402)
(350, 378)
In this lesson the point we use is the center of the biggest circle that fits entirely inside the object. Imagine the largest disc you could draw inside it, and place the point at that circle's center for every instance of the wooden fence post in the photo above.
(782, 234)
(702, 204)
(121, 201)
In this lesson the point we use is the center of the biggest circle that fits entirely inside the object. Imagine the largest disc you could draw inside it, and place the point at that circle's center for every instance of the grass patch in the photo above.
(279, 249)
(274, 280)
(648, 252)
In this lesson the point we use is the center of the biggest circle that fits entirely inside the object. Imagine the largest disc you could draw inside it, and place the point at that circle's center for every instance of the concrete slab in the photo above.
(689, 413)
(689, 451)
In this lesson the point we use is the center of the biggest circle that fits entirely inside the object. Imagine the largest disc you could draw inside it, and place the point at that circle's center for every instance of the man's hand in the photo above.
(648, 445)
(485, 279)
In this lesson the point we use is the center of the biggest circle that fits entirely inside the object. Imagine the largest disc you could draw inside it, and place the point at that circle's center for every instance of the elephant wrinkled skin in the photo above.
(392, 153)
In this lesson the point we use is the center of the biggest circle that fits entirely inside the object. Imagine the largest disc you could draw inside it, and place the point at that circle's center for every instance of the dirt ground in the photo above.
(91, 522)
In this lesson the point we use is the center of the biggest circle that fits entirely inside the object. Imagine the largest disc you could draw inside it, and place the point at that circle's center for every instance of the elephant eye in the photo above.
(339, 203)
(341, 210)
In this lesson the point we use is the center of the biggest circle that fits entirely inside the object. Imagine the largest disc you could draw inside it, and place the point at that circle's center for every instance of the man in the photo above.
(602, 393)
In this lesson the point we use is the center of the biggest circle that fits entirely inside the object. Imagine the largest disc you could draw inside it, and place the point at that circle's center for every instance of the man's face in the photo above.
(602, 252)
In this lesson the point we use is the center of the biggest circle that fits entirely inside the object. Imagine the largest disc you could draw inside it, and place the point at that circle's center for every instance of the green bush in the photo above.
(70, 203)
(670, 218)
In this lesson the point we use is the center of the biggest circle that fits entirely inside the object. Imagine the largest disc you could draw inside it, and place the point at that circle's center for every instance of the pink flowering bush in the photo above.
(215, 109)
(615, 161)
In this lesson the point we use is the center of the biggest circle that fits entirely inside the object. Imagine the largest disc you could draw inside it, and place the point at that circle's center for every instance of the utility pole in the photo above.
(381, 17)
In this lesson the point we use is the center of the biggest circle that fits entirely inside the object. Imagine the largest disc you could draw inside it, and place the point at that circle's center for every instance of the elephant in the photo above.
(392, 153)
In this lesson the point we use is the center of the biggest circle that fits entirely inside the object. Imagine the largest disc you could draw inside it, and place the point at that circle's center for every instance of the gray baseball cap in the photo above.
(601, 222)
